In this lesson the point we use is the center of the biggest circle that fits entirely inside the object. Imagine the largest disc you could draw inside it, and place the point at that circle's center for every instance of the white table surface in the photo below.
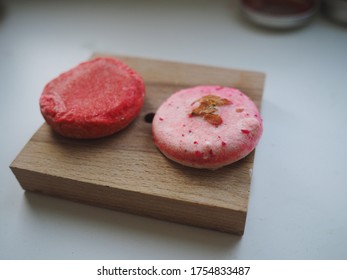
(298, 199)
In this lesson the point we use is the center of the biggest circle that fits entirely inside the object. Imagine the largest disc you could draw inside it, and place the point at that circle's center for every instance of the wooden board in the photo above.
(126, 172)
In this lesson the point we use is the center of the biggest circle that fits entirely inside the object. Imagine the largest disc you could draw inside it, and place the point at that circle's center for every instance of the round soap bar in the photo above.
(207, 126)
(95, 99)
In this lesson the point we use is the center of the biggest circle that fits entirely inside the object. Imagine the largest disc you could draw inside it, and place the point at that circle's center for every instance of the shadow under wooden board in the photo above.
(126, 172)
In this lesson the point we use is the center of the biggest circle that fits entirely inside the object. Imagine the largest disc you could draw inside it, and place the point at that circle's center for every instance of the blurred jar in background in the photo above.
(336, 10)
(279, 14)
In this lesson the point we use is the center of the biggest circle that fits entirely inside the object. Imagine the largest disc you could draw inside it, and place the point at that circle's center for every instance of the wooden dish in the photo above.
(126, 172)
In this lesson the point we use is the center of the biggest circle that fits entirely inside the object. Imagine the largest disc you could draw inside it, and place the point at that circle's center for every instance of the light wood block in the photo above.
(126, 172)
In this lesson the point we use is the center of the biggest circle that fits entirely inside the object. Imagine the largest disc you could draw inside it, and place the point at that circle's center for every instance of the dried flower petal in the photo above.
(207, 108)
(216, 120)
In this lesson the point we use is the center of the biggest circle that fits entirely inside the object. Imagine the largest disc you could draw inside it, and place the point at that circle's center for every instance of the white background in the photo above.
(297, 207)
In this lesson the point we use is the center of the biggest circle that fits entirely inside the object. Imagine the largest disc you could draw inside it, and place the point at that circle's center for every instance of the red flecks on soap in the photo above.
(217, 139)
(95, 99)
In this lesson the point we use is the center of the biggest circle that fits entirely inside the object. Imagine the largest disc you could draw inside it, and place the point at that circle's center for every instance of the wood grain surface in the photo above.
(126, 172)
